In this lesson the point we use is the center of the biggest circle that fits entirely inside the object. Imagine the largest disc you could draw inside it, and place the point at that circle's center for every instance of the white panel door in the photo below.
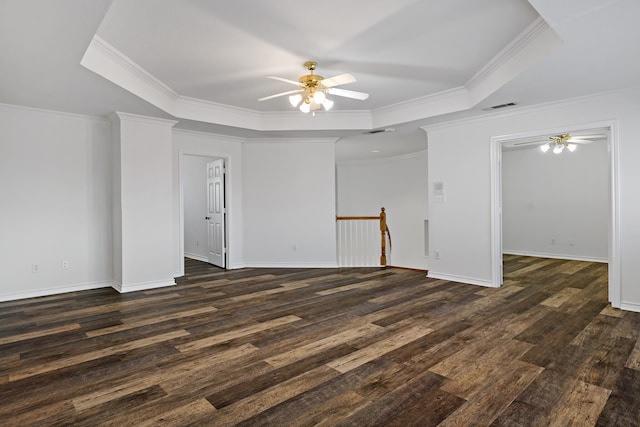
(216, 213)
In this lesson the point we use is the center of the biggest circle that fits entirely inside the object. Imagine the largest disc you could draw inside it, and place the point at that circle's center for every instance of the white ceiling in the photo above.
(398, 50)
(422, 61)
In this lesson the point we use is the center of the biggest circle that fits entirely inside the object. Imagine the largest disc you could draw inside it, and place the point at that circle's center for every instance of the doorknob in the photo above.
(206, 217)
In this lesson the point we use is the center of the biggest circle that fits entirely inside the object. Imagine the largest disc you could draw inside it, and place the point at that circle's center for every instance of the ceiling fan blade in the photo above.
(289, 92)
(341, 79)
(586, 138)
(348, 93)
(282, 79)
(515, 144)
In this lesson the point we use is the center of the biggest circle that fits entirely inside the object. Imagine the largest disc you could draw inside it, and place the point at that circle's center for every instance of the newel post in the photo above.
(383, 229)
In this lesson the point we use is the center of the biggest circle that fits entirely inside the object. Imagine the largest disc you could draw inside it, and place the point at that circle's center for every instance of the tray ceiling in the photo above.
(207, 61)
(203, 62)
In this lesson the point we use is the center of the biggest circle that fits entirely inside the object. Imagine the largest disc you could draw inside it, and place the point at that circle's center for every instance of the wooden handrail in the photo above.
(351, 218)
(384, 228)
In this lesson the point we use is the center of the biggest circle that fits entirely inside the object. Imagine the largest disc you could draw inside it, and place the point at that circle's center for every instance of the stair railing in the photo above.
(356, 240)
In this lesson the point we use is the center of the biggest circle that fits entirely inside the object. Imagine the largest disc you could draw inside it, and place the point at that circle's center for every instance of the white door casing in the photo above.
(216, 213)
(614, 281)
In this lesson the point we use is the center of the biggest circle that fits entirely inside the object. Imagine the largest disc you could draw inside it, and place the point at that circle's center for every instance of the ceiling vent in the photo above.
(497, 107)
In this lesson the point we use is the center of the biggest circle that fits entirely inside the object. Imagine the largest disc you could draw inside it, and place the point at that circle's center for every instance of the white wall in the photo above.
(55, 202)
(145, 195)
(205, 144)
(556, 205)
(459, 156)
(400, 186)
(194, 188)
(289, 203)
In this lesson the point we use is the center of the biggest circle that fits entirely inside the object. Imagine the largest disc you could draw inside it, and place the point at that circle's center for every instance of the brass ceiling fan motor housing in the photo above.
(560, 139)
(311, 82)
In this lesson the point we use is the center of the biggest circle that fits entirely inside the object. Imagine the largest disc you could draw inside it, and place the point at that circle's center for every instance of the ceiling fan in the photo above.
(313, 89)
(558, 143)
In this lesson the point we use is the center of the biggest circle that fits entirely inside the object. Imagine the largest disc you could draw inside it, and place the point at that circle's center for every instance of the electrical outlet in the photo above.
(35, 268)
(436, 254)
(65, 265)
(553, 240)
(294, 248)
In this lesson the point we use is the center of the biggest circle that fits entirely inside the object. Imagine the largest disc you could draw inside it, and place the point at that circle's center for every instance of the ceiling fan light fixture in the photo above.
(295, 99)
(319, 97)
(312, 91)
(327, 104)
(559, 143)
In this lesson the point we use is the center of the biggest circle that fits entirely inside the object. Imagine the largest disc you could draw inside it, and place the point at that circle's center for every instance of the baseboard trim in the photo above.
(56, 291)
(364, 266)
(289, 265)
(630, 306)
(556, 256)
(422, 270)
(196, 257)
(133, 287)
(460, 279)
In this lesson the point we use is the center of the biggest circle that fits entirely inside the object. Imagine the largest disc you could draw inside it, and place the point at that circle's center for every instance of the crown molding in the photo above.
(108, 62)
(516, 111)
(525, 38)
(447, 101)
(142, 119)
(334, 120)
(210, 135)
(105, 60)
(535, 41)
(212, 112)
(291, 140)
(43, 111)
(409, 156)
(123, 60)
(532, 44)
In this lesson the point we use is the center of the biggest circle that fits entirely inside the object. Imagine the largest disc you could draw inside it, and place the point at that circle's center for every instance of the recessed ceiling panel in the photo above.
(398, 51)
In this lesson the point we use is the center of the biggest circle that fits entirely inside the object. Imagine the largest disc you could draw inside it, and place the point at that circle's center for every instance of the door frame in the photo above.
(181, 154)
(614, 283)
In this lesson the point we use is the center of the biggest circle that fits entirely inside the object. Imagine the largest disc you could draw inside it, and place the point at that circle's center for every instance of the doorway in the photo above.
(200, 215)
(610, 253)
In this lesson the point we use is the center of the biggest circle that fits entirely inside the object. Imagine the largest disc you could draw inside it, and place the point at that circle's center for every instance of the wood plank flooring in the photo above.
(328, 347)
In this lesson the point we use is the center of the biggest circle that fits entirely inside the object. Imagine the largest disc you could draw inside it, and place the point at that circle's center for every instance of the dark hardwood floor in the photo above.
(331, 347)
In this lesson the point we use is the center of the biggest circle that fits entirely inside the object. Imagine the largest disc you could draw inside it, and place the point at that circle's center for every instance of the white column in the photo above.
(142, 202)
